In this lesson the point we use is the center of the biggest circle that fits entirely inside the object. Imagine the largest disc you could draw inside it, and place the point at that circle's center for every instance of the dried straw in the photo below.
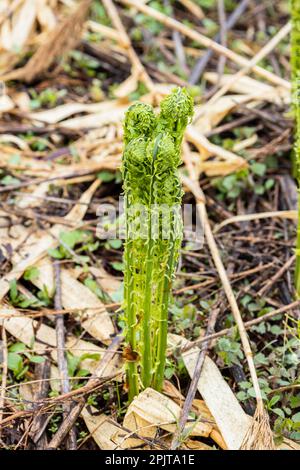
(258, 436)
(59, 41)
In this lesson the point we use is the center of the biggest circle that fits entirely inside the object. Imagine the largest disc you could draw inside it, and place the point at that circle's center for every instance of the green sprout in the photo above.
(153, 194)
(295, 68)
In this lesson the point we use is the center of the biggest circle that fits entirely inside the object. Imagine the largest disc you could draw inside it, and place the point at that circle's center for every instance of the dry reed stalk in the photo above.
(282, 33)
(259, 435)
(137, 66)
(288, 214)
(194, 8)
(205, 41)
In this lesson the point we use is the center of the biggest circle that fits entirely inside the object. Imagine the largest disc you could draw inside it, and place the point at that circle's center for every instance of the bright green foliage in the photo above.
(153, 230)
(295, 66)
(295, 41)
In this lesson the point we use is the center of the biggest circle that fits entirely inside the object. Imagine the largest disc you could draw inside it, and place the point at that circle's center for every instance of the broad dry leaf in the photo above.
(75, 295)
(55, 115)
(94, 317)
(37, 245)
(97, 119)
(151, 410)
(229, 160)
(231, 419)
(108, 283)
(291, 214)
(128, 86)
(213, 114)
(105, 432)
(39, 337)
(23, 23)
(246, 85)
(6, 104)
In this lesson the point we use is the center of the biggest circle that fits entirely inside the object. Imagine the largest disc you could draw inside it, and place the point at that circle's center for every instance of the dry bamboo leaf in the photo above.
(109, 159)
(246, 85)
(105, 432)
(95, 319)
(223, 168)
(58, 42)
(45, 15)
(39, 336)
(195, 9)
(55, 115)
(288, 444)
(6, 36)
(128, 86)
(13, 139)
(245, 143)
(23, 24)
(231, 419)
(25, 163)
(106, 31)
(151, 410)
(229, 415)
(97, 119)
(212, 114)
(207, 149)
(37, 245)
(6, 104)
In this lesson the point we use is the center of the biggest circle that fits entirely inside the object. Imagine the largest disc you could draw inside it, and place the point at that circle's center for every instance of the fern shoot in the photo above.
(295, 69)
(152, 193)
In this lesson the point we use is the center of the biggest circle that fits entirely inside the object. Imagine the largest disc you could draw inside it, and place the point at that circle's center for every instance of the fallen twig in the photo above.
(70, 419)
(206, 42)
(202, 62)
(61, 357)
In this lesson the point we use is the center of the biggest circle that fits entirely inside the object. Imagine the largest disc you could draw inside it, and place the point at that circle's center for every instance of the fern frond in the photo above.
(152, 187)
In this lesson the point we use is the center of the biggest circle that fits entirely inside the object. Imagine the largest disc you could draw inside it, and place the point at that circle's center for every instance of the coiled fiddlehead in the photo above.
(153, 195)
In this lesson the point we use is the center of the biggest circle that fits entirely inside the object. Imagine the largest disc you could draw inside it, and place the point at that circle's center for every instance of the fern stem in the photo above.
(147, 349)
(132, 372)
(147, 364)
(163, 323)
(297, 269)
(149, 167)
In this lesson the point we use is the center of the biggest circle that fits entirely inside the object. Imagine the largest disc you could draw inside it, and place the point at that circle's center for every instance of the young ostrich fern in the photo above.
(295, 68)
(153, 231)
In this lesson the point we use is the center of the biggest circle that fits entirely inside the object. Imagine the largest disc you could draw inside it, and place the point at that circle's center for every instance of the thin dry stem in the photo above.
(282, 33)
(137, 66)
(195, 189)
(206, 42)
(258, 436)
